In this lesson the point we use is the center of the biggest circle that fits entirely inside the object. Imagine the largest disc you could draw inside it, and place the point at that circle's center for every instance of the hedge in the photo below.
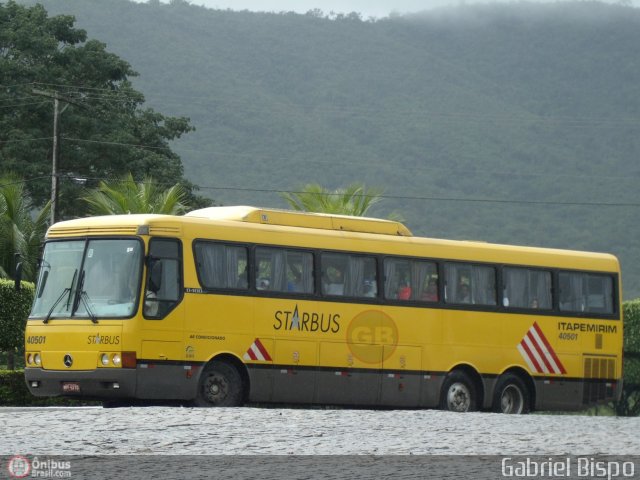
(630, 401)
(13, 313)
(14, 392)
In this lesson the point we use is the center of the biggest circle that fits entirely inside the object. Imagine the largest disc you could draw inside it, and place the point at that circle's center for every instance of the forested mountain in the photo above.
(514, 123)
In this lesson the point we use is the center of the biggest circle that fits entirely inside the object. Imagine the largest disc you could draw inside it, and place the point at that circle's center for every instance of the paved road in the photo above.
(259, 431)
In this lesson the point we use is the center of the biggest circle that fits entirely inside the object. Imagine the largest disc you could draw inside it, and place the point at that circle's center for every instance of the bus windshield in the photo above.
(89, 278)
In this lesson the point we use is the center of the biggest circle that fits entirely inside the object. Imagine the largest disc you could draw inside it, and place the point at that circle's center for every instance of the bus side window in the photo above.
(284, 270)
(221, 266)
(526, 288)
(583, 292)
(470, 284)
(348, 275)
(163, 286)
(410, 280)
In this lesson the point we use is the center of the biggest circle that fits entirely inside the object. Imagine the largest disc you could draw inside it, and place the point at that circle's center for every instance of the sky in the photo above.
(368, 8)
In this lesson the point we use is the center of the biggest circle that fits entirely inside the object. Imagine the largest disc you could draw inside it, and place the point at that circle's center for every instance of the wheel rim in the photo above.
(511, 400)
(458, 397)
(215, 388)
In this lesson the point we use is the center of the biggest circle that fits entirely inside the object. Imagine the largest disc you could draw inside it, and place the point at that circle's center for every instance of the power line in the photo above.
(447, 170)
(120, 144)
(23, 104)
(74, 176)
(19, 140)
(447, 117)
(25, 181)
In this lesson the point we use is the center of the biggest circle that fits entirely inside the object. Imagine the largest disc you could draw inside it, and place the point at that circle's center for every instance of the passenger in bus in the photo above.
(404, 292)
(430, 293)
(369, 289)
(534, 303)
(464, 293)
(334, 282)
(295, 283)
(335, 289)
(243, 277)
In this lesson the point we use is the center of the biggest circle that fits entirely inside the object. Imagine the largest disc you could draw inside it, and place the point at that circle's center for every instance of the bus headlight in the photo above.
(116, 359)
(29, 359)
(37, 360)
(104, 359)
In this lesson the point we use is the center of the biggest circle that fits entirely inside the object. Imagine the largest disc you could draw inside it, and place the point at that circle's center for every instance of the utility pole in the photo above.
(54, 161)
(56, 144)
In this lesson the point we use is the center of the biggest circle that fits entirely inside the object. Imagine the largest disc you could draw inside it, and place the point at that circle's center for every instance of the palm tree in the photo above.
(126, 196)
(22, 230)
(355, 199)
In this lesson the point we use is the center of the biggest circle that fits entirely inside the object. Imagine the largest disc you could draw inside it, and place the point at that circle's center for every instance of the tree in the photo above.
(105, 130)
(20, 232)
(126, 196)
(355, 199)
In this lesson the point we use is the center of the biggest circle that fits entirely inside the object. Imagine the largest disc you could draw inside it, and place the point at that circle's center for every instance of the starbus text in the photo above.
(305, 321)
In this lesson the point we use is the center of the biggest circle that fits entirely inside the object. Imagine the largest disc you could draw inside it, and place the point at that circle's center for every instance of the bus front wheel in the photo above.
(458, 393)
(220, 386)
(511, 395)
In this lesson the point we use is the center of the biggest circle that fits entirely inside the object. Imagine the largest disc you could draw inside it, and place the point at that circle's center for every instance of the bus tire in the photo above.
(458, 393)
(220, 385)
(511, 395)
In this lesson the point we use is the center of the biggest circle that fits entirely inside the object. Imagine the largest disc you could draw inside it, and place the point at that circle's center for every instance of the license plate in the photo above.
(71, 387)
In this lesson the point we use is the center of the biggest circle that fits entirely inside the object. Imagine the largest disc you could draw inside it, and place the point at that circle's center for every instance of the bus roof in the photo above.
(298, 229)
(292, 218)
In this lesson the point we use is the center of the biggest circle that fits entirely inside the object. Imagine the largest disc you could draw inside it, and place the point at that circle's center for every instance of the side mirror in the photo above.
(155, 275)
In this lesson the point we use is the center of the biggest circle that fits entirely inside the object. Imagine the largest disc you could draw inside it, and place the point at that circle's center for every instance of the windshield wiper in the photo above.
(82, 296)
(64, 292)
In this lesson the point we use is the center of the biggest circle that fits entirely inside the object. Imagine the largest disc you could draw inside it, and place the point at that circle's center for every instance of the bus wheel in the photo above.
(511, 395)
(220, 386)
(458, 393)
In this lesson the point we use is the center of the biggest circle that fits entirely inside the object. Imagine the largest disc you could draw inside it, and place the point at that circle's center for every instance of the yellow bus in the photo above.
(229, 305)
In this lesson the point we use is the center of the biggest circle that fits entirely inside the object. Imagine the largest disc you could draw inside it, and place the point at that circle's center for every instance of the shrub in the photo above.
(14, 392)
(13, 315)
(629, 404)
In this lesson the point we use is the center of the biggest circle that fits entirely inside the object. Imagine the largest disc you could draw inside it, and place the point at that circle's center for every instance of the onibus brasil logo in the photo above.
(20, 466)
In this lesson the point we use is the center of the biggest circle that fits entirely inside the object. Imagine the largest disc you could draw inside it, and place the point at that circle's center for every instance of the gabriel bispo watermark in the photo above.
(567, 467)
(20, 466)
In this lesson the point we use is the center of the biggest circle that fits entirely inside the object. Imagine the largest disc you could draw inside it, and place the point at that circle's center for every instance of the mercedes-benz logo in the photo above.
(68, 360)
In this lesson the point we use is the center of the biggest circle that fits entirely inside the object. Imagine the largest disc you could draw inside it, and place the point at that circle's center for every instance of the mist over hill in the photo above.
(511, 123)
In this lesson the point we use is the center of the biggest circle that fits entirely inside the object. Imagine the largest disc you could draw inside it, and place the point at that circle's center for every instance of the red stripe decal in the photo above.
(551, 351)
(531, 357)
(543, 355)
(263, 350)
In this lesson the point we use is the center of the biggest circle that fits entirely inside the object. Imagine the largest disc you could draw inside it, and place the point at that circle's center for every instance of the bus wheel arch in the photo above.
(514, 392)
(223, 382)
(462, 390)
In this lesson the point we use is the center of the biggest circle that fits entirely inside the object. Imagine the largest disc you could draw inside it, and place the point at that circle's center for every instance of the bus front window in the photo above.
(89, 279)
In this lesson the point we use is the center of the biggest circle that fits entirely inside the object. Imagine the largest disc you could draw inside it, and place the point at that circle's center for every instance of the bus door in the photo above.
(161, 354)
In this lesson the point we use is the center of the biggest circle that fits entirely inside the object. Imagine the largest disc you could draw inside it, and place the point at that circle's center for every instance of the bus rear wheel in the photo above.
(458, 393)
(511, 395)
(220, 386)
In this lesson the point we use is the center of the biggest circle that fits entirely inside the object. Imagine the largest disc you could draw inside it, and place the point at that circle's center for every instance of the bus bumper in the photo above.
(99, 383)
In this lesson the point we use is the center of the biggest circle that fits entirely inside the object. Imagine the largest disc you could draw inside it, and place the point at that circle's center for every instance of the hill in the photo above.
(512, 123)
